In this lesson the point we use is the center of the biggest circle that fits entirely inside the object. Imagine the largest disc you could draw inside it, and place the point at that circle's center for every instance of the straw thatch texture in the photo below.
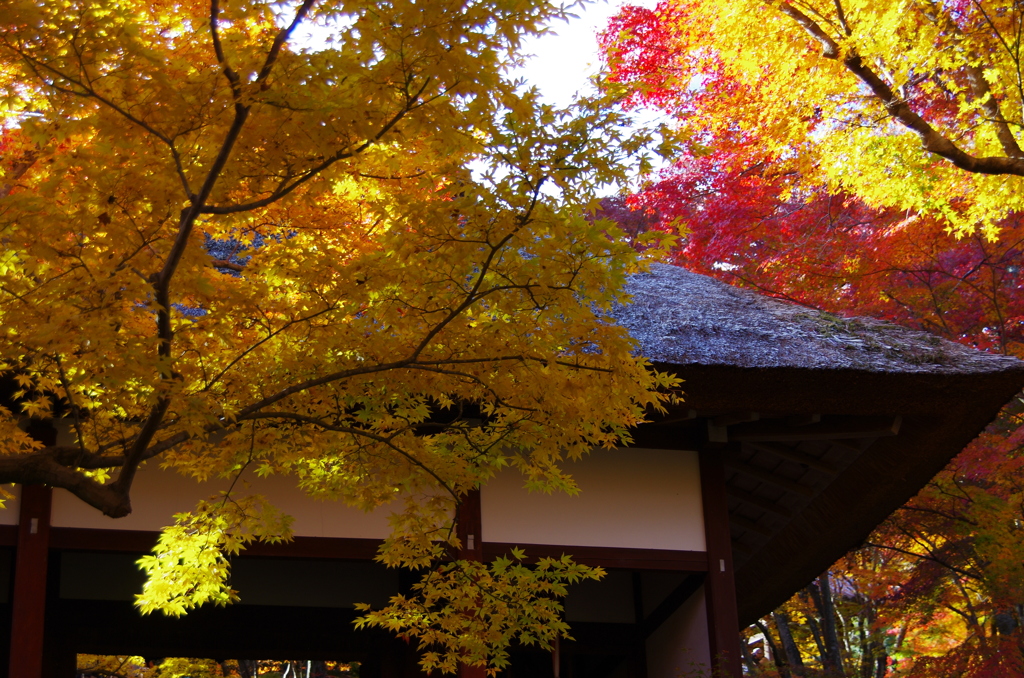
(682, 318)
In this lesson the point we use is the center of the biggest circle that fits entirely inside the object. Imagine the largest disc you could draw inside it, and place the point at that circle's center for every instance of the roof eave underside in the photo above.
(935, 414)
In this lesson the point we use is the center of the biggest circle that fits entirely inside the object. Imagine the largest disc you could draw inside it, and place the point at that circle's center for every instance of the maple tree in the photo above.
(939, 579)
(913, 105)
(228, 247)
(937, 588)
(814, 191)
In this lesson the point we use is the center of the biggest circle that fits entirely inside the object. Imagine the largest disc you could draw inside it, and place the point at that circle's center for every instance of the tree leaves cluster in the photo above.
(467, 609)
(832, 148)
(401, 327)
(914, 105)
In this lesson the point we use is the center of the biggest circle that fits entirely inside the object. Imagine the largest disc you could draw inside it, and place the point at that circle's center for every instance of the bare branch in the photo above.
(282, 38)
(230, 265)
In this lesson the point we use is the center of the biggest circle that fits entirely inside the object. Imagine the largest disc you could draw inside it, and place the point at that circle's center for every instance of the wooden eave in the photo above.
(816, 459)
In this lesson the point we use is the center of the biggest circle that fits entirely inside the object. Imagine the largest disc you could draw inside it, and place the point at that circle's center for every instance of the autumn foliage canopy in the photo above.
(862, 158)
(241, 237)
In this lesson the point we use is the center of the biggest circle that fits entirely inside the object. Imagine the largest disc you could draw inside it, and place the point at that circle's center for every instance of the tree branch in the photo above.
(218, 50)
(931, 140)
(976, 77)
(284, 188)
(44, 468)
(384, 440)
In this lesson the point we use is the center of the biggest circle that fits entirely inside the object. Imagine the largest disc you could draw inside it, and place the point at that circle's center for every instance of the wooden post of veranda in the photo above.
(29, 603)
(720, 584)
(468, 523)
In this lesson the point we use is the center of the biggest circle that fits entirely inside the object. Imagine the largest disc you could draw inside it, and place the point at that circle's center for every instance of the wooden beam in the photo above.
(666, 608)
(797, 456)
(861, 445)
(786, 484)
(468, 526)
(760, 502)
(29, 603)
(750, 525)
(850, 427)
(735, 418)
(720, 584)
(607, 556)
(803, 420)
(717, 434)
(685, 415)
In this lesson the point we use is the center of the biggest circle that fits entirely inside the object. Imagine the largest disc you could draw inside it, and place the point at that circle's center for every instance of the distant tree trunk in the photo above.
(873, 657)
(832, 658)
(881, 665)
(780, 660)
(247, 668)
(793, 658)
(819, 642)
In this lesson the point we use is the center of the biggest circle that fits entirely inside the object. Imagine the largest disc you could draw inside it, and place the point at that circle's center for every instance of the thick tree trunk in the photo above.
(792, 652)
(247, 668)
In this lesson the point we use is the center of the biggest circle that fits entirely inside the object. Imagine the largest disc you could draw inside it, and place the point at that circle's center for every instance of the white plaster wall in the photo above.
(158, 494)
(680, 647)
(11, 511)
(629, 498)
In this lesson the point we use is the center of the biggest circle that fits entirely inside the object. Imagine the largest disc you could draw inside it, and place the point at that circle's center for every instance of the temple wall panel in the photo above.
(279, 582)
(12, 507)
(680, 646)
(629, 498)
(158, 494)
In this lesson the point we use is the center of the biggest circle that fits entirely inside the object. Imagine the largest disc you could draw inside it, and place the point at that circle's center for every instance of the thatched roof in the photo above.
(826, 424)
(683, 318)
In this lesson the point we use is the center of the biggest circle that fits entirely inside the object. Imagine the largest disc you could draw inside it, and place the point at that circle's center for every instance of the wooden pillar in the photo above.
(720, 584)
(637, 666)
(29, 603)
(468, 523)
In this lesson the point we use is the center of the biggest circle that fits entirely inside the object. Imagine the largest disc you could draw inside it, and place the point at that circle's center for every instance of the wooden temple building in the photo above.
(800, 432)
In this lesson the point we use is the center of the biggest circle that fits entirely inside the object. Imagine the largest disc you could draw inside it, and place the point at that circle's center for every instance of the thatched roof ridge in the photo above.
(684, 318)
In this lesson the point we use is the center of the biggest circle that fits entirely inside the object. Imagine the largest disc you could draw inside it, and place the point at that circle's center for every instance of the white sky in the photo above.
(563, 61)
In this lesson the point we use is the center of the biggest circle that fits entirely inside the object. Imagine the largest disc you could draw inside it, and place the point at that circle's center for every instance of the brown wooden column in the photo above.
(720, 584)
(29, 604)
(468, 523)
